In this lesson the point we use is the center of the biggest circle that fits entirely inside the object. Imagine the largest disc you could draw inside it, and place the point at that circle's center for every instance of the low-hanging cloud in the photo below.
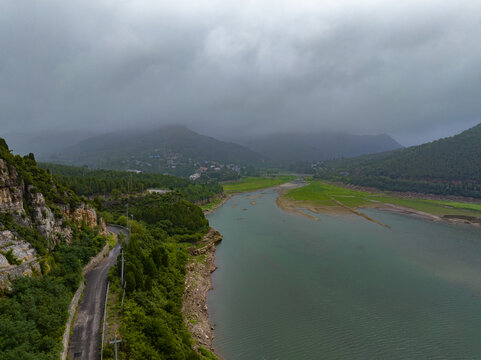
(241, 66)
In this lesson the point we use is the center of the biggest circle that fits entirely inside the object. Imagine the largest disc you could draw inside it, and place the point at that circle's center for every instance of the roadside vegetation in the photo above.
(150, 322)
(255, 183)
(34, 311)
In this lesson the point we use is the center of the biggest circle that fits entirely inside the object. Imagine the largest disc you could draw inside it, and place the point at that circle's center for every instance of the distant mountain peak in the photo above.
(288, 147)
(167, 148)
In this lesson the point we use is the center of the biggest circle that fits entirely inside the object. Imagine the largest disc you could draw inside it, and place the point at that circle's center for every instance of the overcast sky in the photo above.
(411, 69)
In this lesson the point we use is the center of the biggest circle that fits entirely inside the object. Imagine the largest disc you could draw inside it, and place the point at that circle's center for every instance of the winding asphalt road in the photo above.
(85, 340)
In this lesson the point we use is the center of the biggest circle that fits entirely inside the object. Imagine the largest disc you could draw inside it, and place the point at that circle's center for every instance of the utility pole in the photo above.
(115, 342)
(103, 326)
(122, 269)
(123, 296)
(127, 212)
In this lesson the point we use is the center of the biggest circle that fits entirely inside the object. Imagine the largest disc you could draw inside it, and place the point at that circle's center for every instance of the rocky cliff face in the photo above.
(28, 208)
(87, 215)
(11, 188)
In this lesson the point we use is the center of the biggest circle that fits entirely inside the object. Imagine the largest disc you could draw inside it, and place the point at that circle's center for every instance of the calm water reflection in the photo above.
(289, 287)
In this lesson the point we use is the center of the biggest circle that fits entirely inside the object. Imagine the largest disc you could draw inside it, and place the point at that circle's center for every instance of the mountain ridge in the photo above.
(292, 147)
(450, 165)
(166, 148)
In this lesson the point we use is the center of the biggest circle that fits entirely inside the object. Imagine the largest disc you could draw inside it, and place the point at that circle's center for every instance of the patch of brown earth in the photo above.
(295, 206)
(451, 219)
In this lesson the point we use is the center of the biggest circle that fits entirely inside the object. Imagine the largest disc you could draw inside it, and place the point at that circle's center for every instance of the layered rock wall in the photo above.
(11, 189)
(29, 208)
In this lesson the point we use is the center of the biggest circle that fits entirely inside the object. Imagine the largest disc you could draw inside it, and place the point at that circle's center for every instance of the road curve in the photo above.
(85, 340)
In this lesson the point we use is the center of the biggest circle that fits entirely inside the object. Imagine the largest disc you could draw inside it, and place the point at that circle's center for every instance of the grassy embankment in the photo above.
(248, 184)
(322, 197)
(255, 183)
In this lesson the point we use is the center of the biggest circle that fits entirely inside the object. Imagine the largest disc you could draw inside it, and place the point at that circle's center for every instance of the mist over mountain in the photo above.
(44, 143)
(166, 149)
(292, 147)
(170, 147)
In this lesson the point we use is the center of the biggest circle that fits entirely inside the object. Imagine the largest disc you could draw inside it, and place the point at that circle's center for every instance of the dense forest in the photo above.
(449, 166)
(34, 311)
(152, 326)
(113, 183)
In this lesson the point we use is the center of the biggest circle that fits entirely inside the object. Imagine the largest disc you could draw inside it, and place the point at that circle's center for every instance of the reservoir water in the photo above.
(289, 287)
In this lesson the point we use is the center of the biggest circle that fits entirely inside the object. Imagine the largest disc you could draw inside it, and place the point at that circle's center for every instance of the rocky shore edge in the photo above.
(218, 205)
(197, 283)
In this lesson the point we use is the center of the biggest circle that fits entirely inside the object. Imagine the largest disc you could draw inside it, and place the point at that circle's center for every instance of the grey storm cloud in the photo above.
(400, 67)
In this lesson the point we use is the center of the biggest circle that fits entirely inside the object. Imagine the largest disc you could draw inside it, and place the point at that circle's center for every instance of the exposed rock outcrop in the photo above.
(87, 215)
(28, 208)
(197, 284)
(10, 273)
(11, 189)
(22, 255)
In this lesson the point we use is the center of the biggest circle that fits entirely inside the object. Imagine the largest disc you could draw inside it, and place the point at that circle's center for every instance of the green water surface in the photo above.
(289, 287)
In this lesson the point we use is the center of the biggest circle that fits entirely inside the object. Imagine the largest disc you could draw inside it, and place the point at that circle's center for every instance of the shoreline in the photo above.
(453, 220)
(296, 207)
(198, 280)
(197, 284)
(408, 194)
(216, 206)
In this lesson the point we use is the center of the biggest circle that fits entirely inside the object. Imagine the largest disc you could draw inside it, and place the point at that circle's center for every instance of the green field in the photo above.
(255, 183)
(324, 194)
(321, 193)
(460, 205)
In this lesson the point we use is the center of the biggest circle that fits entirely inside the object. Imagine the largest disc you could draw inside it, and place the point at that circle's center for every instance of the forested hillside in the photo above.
(170, 149)
(447, 166)
(59, 232)
(47, 234)
(151, 323)
(113, 183)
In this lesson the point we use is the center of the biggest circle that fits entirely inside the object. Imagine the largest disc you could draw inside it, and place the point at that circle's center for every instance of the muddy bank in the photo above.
(407, 194)
(298, 207)
(451, 219)
(197, 284)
